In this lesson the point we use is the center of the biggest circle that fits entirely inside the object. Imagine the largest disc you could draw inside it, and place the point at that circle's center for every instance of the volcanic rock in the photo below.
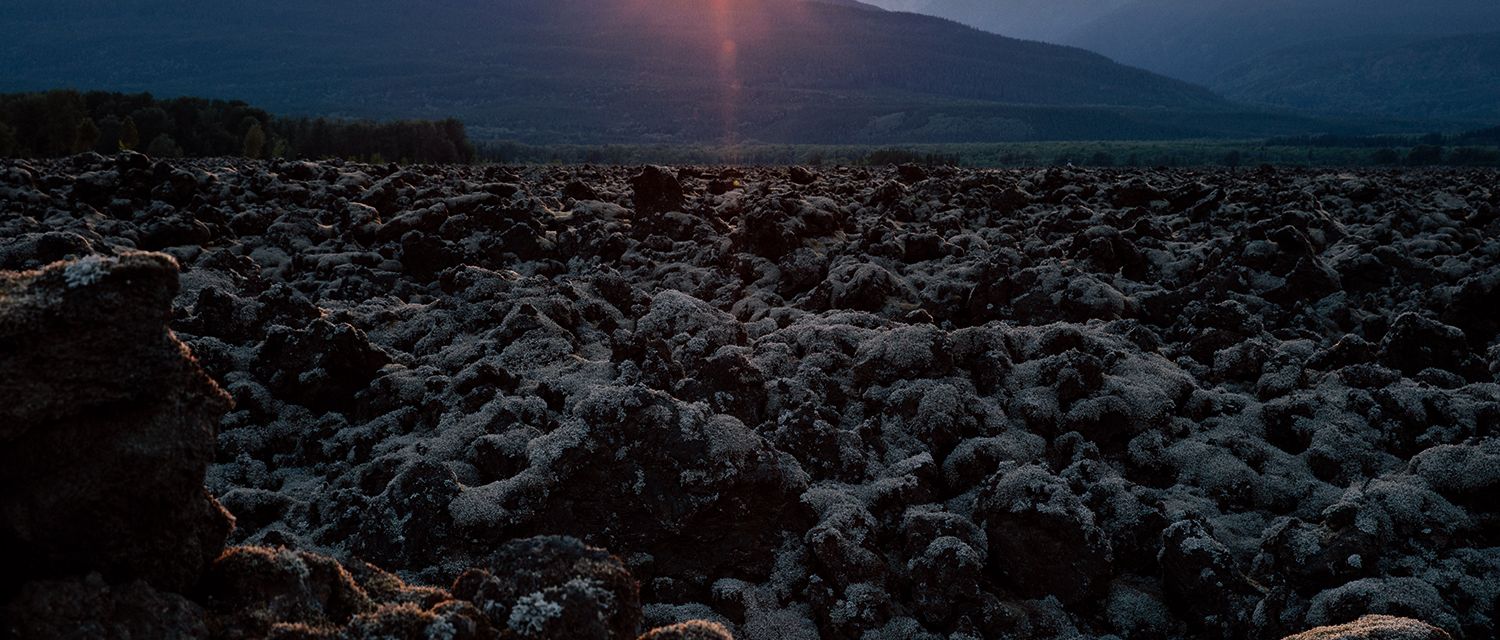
(108, 427)
(1043, 541)
(90, 609)
(883, 403)
(656, 191)
(1375, 628)
(555, 587)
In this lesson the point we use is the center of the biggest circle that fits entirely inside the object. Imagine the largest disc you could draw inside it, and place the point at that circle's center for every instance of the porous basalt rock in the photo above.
(555, 587)
(1043, 540)
(656, 191)
(697, 483)
(247, 590)
(691, 630)
(1375, 627)
(88, 608)
(108, 427)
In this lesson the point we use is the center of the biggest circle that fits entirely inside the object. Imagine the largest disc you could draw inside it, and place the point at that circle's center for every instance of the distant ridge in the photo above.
(1197, 40)
(853, 4)
(1453, 78)
(1427, 61)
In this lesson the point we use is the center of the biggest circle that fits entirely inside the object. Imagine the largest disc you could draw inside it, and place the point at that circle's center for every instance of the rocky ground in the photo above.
(790, 403)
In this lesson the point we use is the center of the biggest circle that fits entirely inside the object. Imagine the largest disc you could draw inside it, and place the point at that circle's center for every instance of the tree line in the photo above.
(64, 122)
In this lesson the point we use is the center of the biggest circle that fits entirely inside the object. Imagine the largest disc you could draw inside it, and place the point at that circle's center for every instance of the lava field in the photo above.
(767, 403)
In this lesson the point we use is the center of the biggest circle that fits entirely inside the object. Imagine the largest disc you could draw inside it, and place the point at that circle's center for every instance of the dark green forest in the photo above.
(1474, 149)
(63, 122)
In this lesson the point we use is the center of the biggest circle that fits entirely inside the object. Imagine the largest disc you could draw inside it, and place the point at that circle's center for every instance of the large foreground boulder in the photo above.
(1375, 628)
(106, 428)
(89, 609)
(656, 191)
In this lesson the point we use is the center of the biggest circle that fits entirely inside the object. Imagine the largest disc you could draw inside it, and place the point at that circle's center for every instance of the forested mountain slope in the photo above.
(614, 71)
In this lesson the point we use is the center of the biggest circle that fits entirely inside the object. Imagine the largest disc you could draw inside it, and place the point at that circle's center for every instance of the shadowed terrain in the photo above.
(823, 403)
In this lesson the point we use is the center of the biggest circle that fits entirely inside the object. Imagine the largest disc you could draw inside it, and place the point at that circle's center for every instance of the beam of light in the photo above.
(738, 26)
(729, 81)
(726, 33)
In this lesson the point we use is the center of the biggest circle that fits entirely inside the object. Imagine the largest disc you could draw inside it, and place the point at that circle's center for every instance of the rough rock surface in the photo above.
(903, 403)
(109, 429)
(1375, 628)
(90, 609)
(106, 429)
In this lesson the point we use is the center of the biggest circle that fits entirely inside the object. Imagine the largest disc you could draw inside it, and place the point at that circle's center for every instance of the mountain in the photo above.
(855, 4)
(601, 71)
(1453, 78)
(1198, 40)
(1388, 58)
(1044, 20)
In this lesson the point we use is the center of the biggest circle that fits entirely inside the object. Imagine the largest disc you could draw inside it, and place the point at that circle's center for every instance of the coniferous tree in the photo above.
(153, 121)
(110, 128)
(255, 141)
(87, 137)
(7, 141)
(130, 137)
(61, 112)
(163, 146)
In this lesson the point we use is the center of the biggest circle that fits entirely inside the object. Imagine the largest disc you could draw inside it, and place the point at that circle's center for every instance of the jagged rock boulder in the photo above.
(1201, 579)
(1375, 628)
(690, 630)
(555, 587)
(1415, 343)
(90, 609)
(106, 429)
(248, 589)
(322, 366)
(656, 191)
(706, 494)
(1043, 541)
